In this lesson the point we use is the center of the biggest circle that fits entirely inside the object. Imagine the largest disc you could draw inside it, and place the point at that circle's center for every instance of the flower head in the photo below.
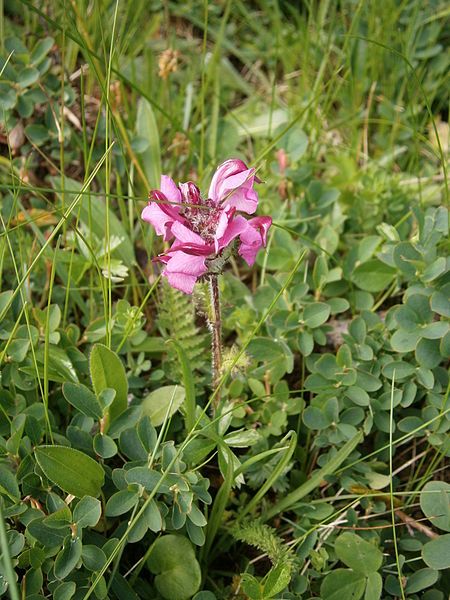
(205, 230)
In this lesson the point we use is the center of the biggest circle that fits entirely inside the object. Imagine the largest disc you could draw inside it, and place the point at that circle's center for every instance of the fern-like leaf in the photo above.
(176, 320)
(264, 538)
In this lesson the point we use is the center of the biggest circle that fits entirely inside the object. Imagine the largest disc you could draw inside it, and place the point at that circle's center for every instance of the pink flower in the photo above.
(204, 229)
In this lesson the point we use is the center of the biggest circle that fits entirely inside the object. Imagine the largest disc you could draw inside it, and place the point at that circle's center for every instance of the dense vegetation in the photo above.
(314, 465)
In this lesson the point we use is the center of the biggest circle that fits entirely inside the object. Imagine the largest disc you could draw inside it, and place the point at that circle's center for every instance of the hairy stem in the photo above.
(216, 331)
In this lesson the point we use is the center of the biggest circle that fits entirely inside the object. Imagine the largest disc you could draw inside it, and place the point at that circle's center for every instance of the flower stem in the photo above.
(216, 331)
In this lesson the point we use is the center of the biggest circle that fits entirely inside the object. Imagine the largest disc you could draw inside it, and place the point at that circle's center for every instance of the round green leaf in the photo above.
(440, 303)
(436, 554)
(71, 470)
(68, 558)
(65, 591)
(435, 330)
(164, 401)
(405, 341)
(420, 580)
(93, 557)
(121, 502)
(374, 587)
(41, 49)
(428, 353)
(37, 134)
(444, 346)
(398, 369)
(27, 77)
(104, 445)
(177, 571)
(358, 395)
(316, 314)
(87, 512)
(343, 583)
(356, 553)
(373, 275)
(435, 503)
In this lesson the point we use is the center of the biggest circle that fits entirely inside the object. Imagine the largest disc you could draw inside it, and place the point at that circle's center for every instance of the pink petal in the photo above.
(183, 270)
(262, 224)
(254, 238)
(186, 235)
(235, 227)
(232, 184)
(170, 190)
(161, 221)
(249, 253)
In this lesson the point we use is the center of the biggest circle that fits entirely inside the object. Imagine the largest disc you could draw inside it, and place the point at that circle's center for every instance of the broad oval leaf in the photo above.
(373, 276)
(436, 554)
(164, 401)
(107, 371)
(435, 503)
(71, 470)
(81, 397)
(178, 574)
(343, 583)
(361, 556)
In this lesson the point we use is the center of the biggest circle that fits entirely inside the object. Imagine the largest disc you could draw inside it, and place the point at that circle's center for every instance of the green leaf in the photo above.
(107, 371)
(147, 128)
(361, 556)
(276, 580)
(93, 557)
(343, 583)
(316, 314)
(81, 397)
(435, 330)
(435, 503)
(49, 537)
(251, 586)
(444, 346)
(87, 512)
(37, 134)
(61, 518)
(65, 591)
(41, 49)
(357, 395)
(27, 77)
(71, 470)
(189, 386)
(172, 560)
(428, 353)
(156, 404)
(68, 557)
(374, 587)
(121, 502)
(436, 554)
(373, 276)
(407, 259)
(400, 368)
(420, 580)
(440, 304)
(314, 418)
(104, 446)
(294, 142)
(405, 341)
(8, 484)
(435, 270)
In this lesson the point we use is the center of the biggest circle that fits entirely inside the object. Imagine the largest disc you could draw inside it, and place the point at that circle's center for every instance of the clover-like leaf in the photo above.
(177, 571)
